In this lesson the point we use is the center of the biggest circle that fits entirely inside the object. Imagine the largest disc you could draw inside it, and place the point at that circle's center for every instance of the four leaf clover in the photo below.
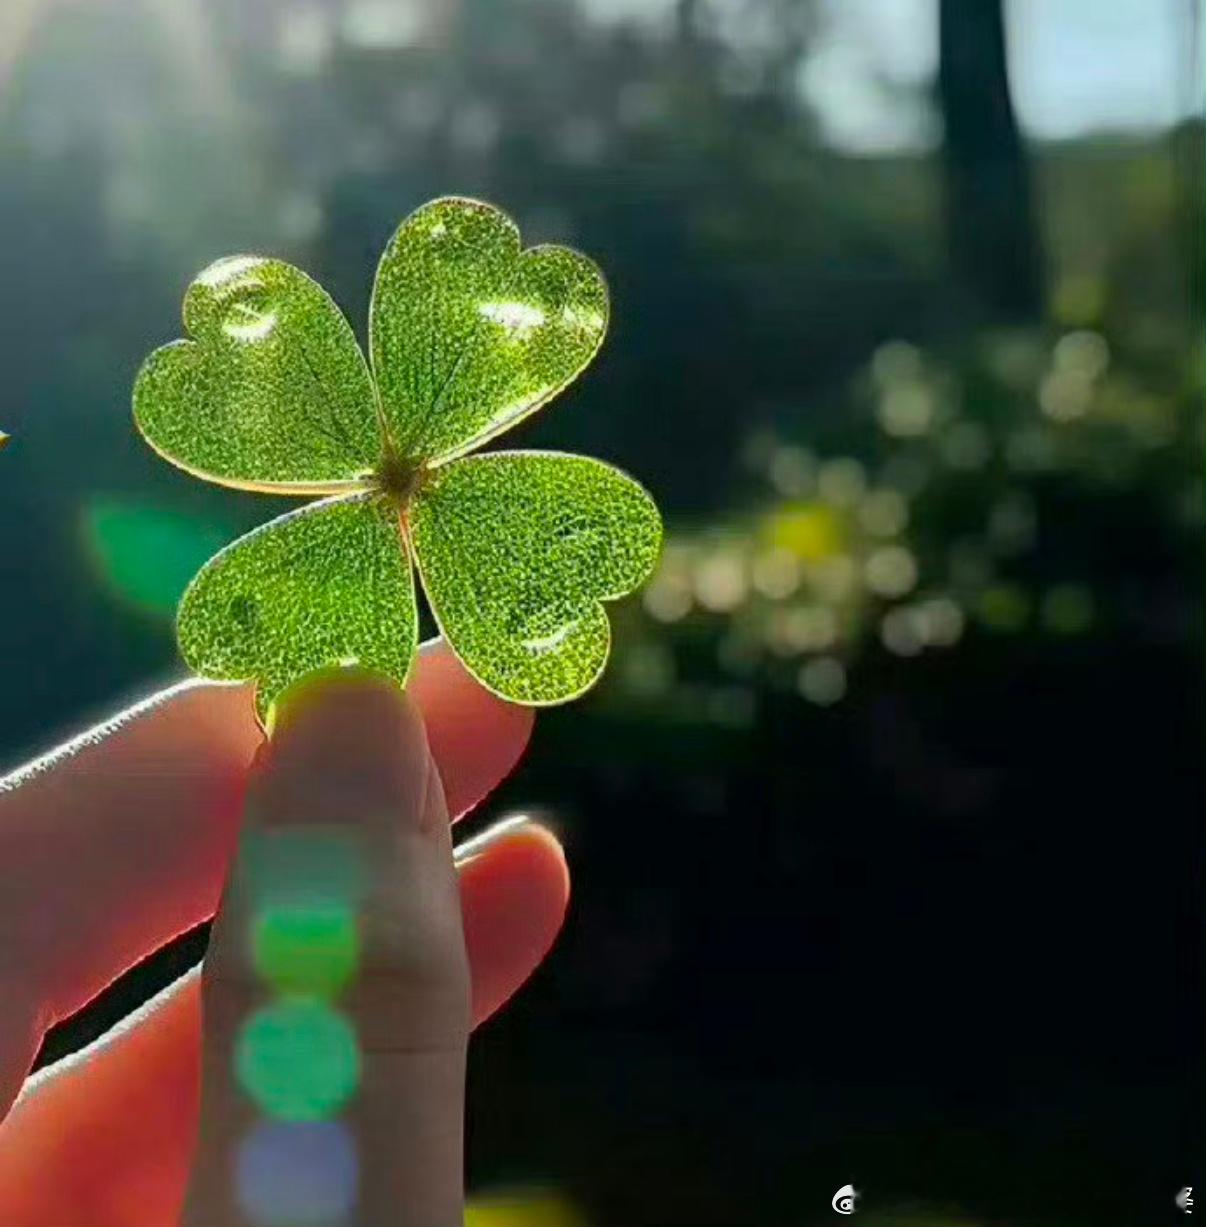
(516, 550)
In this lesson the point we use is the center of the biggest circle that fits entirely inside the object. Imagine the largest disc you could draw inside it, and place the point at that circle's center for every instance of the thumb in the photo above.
(336, 992)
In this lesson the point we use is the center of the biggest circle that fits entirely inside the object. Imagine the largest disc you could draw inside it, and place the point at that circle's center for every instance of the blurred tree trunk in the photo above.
(994, 245)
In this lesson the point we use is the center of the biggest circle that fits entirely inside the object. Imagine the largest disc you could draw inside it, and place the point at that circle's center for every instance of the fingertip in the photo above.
(340, 737)
(321, 701)
(520, 842)
(474, 737)
(515, 890)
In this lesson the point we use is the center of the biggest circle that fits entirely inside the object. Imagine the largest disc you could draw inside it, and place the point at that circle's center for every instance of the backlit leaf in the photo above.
(271, 393)
(326, 585)
(517, 550)
(469, 334)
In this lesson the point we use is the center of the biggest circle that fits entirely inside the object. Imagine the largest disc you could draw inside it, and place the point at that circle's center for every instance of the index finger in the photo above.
(118, 840)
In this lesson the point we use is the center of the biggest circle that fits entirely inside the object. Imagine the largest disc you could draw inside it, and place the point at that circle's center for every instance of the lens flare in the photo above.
(304, 868)
(297, 1175)
(298, 1060)
(306, 951)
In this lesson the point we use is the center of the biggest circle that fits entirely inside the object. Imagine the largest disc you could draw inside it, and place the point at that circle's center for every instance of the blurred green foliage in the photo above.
(969, 494)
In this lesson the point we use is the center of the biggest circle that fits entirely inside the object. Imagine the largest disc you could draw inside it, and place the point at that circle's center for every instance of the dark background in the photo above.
(886, 823)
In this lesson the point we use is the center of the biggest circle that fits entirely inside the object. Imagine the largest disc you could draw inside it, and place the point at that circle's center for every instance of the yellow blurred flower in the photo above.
(811, 531)
(535, 1208)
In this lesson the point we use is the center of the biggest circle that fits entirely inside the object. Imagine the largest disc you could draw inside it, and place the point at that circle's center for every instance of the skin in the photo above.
(116, 842)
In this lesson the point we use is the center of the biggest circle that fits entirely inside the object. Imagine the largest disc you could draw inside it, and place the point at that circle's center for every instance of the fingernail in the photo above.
(346, 762)
(352, 729)
(301, 696)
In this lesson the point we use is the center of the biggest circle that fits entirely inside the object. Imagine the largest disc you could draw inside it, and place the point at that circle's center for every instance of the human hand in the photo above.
(121, 839)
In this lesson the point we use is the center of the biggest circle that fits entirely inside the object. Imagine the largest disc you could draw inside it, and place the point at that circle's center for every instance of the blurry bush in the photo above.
(1014, 489)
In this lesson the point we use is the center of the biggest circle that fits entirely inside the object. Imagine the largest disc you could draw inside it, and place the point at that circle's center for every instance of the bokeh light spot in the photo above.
(298, 1060)
(667, 598)
(941, 621)
(146, 554)
(720, 581)
(907, 410)
(834, 579)
(1004, 607)
(776, 573)
(822, 681)
(895, 362)
(311, 951)
(900, 632)
(802, 628)
(842, 481)
(538, 1208)
(302, 868)
(1067, 609)
(1083, 351)
(891, 571)
(792, 471)
(884, 513)
(303, 1174)
(811, 531)
(1065, 395)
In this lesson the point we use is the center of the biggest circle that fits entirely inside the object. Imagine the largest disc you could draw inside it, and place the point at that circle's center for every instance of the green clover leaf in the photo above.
(469, 334)
(273, 393)
(517, 550)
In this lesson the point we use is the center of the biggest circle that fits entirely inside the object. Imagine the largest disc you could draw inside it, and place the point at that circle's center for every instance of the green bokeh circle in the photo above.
(298, 1060)
(306, 951)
